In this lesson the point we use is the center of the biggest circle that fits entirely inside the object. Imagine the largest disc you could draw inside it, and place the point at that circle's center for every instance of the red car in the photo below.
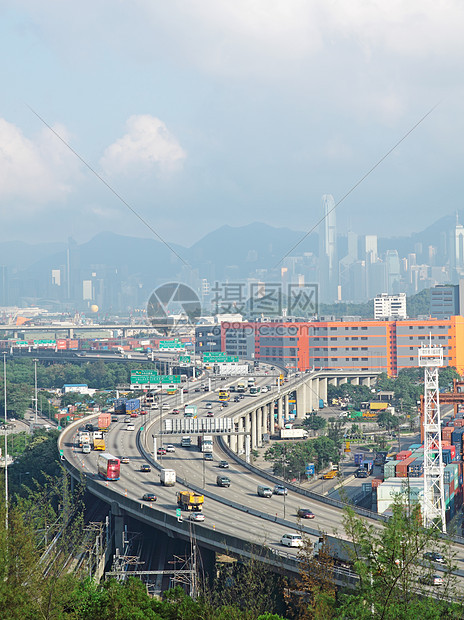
(305, 513)
(143, 413)
(175, 411)
(161, 451)
(134, 415)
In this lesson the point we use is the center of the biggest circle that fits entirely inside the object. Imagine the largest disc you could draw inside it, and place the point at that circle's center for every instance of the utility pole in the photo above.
(35, 390)
(6, 442)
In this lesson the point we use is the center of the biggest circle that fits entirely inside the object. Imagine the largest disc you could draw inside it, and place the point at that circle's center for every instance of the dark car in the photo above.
(145, 468)
(305, 513)
(223, 481)
(114, 418)
(434, 556)
(197, 389)
(236, 399)
(89, 427)
(225, 404)
(149, 497)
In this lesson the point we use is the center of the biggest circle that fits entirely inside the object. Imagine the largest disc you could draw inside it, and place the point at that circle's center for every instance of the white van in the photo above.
(86, 449)
(292, 540)
(264, 491)
(130, 427)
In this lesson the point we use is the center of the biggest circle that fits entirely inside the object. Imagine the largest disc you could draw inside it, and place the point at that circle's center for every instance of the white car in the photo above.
(170, 448)
(155, 406)
(165, 406)
(130, 427)
(264, 390)
(197, 516)
(291, 540)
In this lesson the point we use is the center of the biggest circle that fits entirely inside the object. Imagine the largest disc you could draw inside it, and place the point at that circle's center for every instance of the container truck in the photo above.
(99, 444)
(120, 405)
(186, 441)
(293, 433)
(104, 421)
(132, 405)
(205, 443)
(340, 551)
(190, 411)
(365, 469)
(188, 500)
(83, 437)
(168, 477)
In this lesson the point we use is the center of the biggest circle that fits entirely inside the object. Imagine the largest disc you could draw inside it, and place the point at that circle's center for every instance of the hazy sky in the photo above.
(206, 112)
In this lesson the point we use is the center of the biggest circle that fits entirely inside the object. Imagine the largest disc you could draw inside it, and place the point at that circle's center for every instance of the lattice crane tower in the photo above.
(431, 359)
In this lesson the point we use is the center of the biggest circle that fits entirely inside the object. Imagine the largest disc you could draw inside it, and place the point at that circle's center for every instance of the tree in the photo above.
(387, 420)
(315, 422)
(390, 564)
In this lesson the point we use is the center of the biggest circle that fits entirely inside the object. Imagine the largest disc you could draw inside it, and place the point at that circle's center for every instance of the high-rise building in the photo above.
(328, 259)
(392, 263)
(390, 306)
(444, 301)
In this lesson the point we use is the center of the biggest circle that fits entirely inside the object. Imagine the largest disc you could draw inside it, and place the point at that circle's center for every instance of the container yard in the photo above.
(403, 472)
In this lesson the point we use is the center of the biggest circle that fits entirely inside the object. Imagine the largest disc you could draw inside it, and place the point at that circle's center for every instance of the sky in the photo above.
(200, 113)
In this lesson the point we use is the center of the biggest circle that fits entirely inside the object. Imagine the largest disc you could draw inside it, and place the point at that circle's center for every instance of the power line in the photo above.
(389, 152)
(100, 178)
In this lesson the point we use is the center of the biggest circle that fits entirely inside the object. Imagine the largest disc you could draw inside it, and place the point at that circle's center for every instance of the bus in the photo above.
(109, 466)
(254, 391)
(224, 395)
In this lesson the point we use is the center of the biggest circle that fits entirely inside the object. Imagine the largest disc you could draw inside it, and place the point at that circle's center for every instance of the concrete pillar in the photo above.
(71, 332)
(279, 413)
(259, 432)
(233, 439)
(342, 380)
(301, 409)
(247, 426)
(241, 438)
(333, 381)
(310, 386)
(117, 517)
(323, 389)
(355, 381)
(287, 407)
(254, 416)
(270, 418)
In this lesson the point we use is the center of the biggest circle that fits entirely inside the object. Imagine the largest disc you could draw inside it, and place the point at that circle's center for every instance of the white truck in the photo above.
(190, 411)
(83, 437)
(293, 433)
(168, 477)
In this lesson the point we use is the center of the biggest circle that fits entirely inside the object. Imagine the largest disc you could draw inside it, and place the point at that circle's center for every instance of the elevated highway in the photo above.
(238, 521)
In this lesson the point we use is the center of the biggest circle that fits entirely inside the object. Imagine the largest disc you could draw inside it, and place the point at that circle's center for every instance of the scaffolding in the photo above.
(431, 359)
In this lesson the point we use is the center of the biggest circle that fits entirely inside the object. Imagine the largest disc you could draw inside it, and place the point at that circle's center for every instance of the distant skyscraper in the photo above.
(392, 262)
(370, 248)
(328, 260)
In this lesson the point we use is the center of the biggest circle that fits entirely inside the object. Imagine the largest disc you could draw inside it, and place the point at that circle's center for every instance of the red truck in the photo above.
(104, 420)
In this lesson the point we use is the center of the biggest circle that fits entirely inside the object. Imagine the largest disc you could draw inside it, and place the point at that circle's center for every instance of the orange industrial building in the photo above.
(385, 346)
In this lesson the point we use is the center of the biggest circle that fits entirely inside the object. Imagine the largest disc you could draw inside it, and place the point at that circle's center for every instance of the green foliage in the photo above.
(387, 420)
(315, 422)
(290, 459)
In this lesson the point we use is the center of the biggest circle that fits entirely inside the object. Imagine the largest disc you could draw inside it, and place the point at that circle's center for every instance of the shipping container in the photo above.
(389, 469)
(61, 345)
(404, 454)
(358, 458)
(458, 422)
(415, 446)
(72, 344)
(402, 468)
(416, 468)
(133, 404)
(376, 482)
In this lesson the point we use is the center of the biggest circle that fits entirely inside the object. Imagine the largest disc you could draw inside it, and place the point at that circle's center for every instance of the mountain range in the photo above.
(227, 252)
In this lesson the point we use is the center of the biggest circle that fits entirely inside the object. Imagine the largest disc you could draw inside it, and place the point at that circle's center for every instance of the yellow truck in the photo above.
(188, 500)
(333, 473)
(99, 444)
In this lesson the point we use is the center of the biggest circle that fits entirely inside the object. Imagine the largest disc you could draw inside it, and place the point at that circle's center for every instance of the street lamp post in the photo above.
(35, 390)
(6, 442)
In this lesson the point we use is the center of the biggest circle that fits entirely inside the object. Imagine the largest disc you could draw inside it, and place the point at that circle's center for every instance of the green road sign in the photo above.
(44, 342)
(61, 451)
(218, 358)
(178, 512)
(171, 344)
(184, 359)
(60, 428)
(149, 373)
(141, 428)
(154, 379)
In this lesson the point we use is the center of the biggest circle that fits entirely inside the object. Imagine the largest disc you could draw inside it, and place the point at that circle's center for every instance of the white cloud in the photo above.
(34, 172)
(146, 147)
